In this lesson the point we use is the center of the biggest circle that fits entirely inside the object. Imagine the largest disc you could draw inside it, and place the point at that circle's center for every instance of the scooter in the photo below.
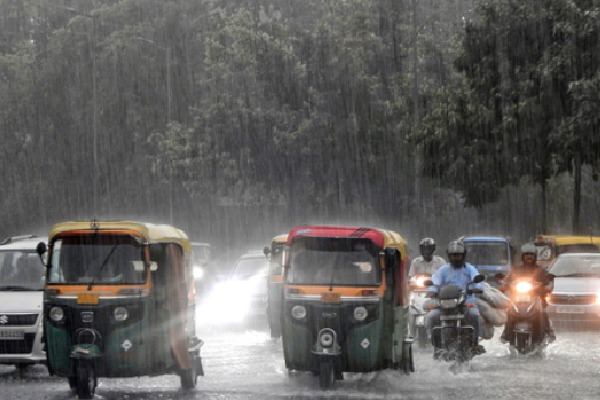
(456, 336)
(525, 317)
(416, 310)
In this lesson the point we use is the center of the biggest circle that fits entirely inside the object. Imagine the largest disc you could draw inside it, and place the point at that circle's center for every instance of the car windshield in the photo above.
(576, 266)
(250, 267)
(487, 253)
(333, 261)
(21, 270)
(93, 259)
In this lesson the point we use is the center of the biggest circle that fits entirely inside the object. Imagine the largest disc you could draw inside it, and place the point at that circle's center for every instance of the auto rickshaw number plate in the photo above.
(12, 334)
(88, 298)
(330, 297)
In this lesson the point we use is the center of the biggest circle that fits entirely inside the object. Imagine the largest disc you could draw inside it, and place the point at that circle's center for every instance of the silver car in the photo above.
(575, 297)
(21, 302)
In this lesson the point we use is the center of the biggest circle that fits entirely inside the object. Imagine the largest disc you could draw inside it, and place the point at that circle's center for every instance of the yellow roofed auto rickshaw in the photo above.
(275, 288)
(550, 246)
(345, 303)
(119, 302)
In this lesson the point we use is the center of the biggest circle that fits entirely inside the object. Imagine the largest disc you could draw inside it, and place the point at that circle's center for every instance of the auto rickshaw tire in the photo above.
(326, 373)
(73, 383)
(86, 380)
(188, 377)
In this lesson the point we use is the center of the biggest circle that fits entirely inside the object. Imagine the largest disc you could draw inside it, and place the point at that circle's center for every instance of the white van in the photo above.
(22, 275)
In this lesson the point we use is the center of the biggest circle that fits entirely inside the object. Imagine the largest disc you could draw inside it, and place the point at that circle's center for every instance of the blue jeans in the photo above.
(433, 319)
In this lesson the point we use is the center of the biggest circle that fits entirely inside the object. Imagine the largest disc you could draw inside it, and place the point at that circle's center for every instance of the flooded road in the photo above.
(248, 364)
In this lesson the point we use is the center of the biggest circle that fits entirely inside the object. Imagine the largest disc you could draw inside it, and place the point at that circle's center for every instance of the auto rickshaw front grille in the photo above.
(18, 319)
(18, 346)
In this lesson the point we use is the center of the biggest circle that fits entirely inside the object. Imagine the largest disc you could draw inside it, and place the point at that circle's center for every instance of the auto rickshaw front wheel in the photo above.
(326, 373)
(189, 377)
(85, 381)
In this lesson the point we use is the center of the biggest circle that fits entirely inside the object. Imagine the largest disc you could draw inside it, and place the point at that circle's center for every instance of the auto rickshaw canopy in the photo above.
(152, 233)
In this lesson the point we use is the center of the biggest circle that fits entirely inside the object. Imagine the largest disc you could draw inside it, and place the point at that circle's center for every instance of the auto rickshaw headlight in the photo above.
(360, 313)
(299, 312)
(56, 314)
(326, 339)
(120, 313)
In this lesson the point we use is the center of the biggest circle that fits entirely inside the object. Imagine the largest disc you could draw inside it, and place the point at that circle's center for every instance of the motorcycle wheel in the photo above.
(326, 374)
(521, 343)
(86, 380)
(422, 337)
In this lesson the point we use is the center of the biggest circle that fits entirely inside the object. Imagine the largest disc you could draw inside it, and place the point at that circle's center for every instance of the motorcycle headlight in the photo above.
(120, 313)
(523, 287)
(448, 303)
(56, 314)
(360, 313)
(299, 312)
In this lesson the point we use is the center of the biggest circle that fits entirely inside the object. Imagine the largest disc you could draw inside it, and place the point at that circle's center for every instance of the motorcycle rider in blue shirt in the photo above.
(460, 273)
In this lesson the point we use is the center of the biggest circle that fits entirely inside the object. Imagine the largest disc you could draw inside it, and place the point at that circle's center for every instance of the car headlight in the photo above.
(360, 313)
(56, 314)
(198, 273)
(120, 313)
(299, 312)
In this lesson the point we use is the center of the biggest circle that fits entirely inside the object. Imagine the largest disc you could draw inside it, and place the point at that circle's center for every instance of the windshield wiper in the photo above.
(112, 250)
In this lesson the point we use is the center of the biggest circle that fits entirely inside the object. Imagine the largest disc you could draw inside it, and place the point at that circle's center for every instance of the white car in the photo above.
(22, 275)
(575, 297)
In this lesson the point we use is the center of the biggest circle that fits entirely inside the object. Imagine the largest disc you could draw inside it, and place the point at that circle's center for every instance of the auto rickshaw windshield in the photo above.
(334, 261)
(100, 259)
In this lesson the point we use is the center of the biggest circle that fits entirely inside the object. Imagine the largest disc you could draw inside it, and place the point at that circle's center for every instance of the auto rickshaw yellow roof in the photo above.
(280, 238)
(566, 239)
(153, 233)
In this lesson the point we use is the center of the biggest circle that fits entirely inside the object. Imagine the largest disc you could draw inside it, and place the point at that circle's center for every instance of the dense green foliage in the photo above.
(237, 120)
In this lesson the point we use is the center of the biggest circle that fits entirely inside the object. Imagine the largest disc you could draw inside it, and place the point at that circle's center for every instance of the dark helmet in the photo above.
(427, 247)
(457, 247)
(529, 248)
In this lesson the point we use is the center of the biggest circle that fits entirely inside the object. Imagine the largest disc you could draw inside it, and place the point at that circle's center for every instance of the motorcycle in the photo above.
(525, 317)
(417, 311)
(456, 336)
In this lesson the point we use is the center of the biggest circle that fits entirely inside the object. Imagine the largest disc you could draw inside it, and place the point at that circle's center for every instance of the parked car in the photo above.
(575, 297)
(241, 298)
(491, 255)
(21, 302)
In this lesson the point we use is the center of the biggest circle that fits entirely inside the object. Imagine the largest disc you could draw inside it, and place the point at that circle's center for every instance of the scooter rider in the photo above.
(529, 268)
(427, 263)
(460, 273)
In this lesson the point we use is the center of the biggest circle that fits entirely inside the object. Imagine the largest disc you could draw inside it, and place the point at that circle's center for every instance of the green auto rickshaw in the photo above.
(345, 305)
(119, 302)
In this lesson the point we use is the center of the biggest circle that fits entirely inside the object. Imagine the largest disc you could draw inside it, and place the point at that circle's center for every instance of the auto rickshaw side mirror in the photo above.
(41, 248)
(428, 282)
(499, 276)
(479, 278)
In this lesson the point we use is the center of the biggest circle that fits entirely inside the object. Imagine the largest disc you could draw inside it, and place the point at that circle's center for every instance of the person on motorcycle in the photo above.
(460, 273)
(427, 263)
(530, 269)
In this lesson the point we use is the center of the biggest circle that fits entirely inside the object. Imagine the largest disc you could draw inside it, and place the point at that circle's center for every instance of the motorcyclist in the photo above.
(427, 262)
(460, 273)
(530, 269)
